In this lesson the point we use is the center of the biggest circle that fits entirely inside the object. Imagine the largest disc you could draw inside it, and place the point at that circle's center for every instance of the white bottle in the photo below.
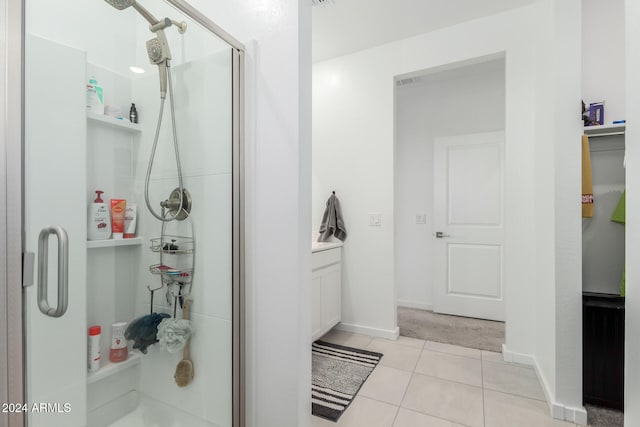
(93, 353)
(99, 219)
(95, 97)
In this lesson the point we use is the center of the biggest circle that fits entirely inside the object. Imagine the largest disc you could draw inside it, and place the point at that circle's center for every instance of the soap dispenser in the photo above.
(99, 219)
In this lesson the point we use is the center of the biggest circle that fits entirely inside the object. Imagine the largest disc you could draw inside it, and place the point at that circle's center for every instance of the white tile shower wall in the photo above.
(208, 397)
(211, 289)
(203, 119)
(106, 34)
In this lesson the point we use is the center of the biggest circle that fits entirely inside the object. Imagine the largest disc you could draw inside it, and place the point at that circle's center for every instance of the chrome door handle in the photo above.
(440, 235)
(63, 271)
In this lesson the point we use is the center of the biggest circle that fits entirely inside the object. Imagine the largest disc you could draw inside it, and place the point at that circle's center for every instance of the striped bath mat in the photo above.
(338, 373)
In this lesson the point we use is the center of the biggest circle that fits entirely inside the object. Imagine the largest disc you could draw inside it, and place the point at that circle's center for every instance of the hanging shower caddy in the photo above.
(176, 259)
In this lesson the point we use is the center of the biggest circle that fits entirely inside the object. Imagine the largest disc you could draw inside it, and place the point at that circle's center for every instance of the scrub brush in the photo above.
(184, 370)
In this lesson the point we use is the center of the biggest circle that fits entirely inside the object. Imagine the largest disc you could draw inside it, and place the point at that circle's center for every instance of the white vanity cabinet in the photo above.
(326, 289)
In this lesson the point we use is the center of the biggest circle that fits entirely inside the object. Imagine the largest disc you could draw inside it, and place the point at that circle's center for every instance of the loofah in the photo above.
(143, 330)
(174, 333)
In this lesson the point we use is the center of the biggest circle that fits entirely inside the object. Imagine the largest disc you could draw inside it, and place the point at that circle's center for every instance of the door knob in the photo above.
(440, 235)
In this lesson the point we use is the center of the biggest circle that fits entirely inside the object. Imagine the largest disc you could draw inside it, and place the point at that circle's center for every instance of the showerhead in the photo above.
(121, 4)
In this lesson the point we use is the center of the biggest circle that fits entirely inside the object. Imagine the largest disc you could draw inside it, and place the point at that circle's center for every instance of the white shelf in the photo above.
(605, 130)
(110, 243)
(113, 122)
(113, 368)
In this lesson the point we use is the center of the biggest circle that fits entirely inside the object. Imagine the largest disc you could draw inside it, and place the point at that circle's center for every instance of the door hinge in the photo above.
(28, 259)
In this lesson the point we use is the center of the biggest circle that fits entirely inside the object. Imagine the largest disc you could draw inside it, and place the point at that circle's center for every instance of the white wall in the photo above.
(632, 343)
(603, 51)
(353, 154)
(455, 102)
(565, 47)
(356, 158)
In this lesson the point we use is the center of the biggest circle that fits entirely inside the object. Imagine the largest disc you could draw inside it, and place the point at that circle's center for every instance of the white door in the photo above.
(55, 200)
(469, 225)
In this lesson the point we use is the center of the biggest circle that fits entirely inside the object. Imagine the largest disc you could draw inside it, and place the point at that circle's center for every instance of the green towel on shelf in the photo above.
(618, 213)
(619, 216)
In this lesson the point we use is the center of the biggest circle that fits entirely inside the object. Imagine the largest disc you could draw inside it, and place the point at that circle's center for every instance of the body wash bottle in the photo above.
(95, 97)
(99, 219)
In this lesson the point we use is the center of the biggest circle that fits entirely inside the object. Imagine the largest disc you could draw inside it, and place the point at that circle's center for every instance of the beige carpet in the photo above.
(462, 331)
(604, 417)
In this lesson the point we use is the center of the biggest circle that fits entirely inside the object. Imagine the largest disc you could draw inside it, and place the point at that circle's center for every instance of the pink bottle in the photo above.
(119, 350)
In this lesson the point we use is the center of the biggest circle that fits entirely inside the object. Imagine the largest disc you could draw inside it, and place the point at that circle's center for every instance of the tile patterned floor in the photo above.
(428, 384)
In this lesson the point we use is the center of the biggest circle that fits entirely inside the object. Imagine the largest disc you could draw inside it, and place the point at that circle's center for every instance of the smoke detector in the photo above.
(322, 3)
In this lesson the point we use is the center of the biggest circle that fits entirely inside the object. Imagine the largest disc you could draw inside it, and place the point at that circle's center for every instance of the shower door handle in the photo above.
(63, 271)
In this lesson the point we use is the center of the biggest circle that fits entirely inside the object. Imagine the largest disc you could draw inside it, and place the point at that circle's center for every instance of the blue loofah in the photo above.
(143, 330)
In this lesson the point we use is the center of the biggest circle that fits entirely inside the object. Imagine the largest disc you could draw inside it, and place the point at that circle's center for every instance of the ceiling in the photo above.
(347, 26)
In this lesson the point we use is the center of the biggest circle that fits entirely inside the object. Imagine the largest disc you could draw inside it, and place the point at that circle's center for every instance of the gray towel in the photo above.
(332, 222)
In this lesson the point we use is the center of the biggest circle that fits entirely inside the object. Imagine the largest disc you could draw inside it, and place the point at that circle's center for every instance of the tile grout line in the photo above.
(484, 409)
(407, 388)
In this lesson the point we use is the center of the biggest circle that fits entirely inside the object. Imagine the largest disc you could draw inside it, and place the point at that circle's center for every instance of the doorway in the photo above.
(449, 195)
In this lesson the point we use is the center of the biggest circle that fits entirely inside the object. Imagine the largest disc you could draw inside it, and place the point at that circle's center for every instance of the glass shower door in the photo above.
(55, 231)
(69, 153)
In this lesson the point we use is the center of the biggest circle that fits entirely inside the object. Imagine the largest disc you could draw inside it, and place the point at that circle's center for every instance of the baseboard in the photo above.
(390, 334)
(413, 304)
(559, 411)
(513, 357)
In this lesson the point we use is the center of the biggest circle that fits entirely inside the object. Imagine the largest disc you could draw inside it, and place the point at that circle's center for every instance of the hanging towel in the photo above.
(332, 223)
(587, 180)
(619, 216)
(619, 211)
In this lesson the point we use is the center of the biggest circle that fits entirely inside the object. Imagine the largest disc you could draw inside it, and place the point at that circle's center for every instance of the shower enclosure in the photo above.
(69, 152)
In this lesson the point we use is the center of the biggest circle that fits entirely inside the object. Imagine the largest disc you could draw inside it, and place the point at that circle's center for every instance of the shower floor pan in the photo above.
(152, 413)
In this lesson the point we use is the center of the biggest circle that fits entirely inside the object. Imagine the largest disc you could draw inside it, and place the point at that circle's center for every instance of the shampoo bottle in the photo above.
(99, 227)
(95, 97)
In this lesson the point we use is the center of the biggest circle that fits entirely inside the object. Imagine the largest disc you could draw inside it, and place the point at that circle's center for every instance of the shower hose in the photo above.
(160, 217)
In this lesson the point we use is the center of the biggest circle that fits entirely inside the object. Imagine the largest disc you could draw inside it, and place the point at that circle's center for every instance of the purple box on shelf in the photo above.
(596, 112)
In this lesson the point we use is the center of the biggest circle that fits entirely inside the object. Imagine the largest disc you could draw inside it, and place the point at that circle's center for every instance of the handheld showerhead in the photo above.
(159, 54)
(121, 4)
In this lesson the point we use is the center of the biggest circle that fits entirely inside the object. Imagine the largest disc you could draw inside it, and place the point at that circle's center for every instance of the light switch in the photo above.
(375, 219)
(421, 218)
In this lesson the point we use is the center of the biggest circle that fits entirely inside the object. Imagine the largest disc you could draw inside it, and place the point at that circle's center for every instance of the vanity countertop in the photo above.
(323, 246)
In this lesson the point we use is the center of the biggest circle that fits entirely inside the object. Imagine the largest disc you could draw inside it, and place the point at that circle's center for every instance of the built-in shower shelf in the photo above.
(605, 130)
(113, 122)
(110, 243)
(113, 368)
